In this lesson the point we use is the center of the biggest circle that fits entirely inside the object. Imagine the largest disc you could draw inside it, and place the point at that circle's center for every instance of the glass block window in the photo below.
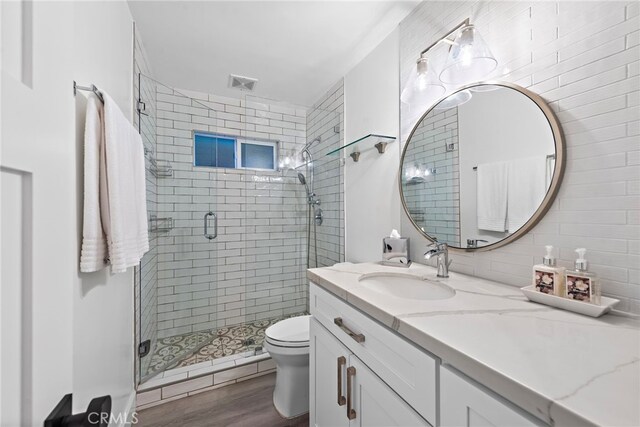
(221, 151)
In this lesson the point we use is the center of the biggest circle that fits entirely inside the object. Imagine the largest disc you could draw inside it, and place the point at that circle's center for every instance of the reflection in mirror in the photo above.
(479, 165)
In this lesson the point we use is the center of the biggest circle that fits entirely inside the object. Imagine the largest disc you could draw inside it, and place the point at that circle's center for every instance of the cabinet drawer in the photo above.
(462, 403)
(408, 370)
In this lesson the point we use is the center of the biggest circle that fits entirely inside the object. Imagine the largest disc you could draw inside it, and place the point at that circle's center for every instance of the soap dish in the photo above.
(593, 310)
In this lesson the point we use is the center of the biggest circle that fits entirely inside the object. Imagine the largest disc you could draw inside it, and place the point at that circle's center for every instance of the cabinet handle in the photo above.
(342, 361)
(351, 413)
(356, 337)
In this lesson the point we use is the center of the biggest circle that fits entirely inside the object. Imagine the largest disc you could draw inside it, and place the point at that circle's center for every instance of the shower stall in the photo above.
(229, 246)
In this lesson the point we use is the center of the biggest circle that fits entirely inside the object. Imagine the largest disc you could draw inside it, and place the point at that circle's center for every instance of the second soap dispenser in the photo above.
(582, 285)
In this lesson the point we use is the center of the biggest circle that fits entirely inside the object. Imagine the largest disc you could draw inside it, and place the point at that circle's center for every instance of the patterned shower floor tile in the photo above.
(197, 347)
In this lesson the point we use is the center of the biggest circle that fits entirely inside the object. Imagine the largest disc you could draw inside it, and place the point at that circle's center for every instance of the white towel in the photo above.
(492, 196)
(94, 242)
(124, 210)
(527, 189)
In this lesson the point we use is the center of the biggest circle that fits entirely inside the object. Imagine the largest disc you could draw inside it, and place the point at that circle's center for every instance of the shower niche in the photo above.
(233, 260)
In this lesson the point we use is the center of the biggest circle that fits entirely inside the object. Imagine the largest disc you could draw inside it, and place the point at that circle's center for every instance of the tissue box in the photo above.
(396, 251)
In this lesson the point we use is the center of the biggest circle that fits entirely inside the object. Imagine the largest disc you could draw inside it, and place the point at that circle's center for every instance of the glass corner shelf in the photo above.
(378, 141)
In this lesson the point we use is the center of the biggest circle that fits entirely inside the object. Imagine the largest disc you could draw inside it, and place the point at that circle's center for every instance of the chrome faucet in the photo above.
(442, 251)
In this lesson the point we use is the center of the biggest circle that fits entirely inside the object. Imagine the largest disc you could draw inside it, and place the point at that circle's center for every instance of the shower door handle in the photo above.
(206, 225)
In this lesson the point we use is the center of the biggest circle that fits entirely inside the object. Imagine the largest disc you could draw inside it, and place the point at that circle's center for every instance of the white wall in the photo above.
(103, 347)
(372, 201)
(583, 59)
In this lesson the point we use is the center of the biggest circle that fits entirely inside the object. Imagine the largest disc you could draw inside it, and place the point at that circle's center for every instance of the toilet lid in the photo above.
(292, 330)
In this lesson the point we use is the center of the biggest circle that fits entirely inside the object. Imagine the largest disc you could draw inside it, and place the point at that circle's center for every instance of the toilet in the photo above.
(287, 341)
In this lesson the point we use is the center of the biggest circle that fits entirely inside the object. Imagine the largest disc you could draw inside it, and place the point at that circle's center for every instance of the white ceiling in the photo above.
(297, 49)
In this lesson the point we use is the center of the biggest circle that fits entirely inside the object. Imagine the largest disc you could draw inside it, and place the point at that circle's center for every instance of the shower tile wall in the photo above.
(146, 278)
(327, 113)
(255, 269)
(435, 204)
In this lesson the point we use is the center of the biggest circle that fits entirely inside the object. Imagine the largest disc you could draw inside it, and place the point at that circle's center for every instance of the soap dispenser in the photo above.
(547, 278)
(581, 284)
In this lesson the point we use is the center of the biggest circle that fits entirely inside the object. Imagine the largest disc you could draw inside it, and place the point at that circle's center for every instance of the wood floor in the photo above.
(248, 403)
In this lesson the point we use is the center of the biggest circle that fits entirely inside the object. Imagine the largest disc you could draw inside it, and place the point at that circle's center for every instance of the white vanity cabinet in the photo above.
(358, 364)
(346, 393)
(463, 403)
(394, 378)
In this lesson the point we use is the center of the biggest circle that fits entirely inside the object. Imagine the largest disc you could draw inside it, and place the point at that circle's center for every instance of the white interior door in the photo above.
(36, 209)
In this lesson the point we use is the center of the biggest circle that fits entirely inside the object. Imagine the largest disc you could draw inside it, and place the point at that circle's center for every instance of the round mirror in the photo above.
(482, 166)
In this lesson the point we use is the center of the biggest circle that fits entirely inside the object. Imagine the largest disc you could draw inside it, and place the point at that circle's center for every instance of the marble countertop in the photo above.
(562, 367)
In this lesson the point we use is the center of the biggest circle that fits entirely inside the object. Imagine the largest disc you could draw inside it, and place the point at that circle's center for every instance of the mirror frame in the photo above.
(556, 180)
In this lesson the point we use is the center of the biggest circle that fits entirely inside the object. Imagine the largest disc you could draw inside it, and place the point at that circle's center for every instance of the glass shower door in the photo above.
(179, 276)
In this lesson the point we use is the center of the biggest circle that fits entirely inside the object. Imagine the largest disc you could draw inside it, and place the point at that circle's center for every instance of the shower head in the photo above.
(302, 179)
(309, 144)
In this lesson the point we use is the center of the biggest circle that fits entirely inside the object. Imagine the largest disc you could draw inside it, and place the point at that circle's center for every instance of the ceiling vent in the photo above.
(242, 83)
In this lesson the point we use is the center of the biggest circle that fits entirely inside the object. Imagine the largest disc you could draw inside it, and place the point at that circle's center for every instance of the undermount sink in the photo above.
(408, 286)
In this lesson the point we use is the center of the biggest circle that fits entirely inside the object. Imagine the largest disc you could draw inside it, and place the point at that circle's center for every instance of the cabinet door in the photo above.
(462, 403)
(328, 360)
(375, 403)
(408, 370)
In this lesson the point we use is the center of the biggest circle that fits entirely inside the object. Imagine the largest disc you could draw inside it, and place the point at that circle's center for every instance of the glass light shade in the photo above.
(469, 60)
(454, 100)
(485, 88)
(422, 85)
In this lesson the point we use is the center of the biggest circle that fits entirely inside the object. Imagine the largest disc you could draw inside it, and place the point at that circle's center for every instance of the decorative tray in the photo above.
(588, 309)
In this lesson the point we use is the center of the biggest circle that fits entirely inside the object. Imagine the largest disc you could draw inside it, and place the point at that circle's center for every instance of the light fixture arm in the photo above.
(464, 23)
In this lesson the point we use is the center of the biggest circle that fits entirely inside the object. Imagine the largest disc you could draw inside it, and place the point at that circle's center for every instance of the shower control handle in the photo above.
(342, 361)
(206, 225)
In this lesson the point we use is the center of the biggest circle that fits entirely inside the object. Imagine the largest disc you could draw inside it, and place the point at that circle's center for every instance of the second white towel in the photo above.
(125, 217)
(527, 188)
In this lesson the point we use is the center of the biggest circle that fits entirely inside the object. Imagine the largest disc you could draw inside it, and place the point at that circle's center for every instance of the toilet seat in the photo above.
(289, 333)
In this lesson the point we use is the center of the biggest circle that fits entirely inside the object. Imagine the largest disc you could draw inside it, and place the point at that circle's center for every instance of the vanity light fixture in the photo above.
(422, 84)
(455, 100)
(469, 60)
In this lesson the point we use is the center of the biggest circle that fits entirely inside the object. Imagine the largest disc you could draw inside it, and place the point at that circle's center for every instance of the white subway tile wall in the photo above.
(255, 268)
(583, 59)
(434, 204)
(325, 121)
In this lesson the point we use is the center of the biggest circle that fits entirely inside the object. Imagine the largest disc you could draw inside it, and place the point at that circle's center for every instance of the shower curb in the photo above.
(201, 379)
